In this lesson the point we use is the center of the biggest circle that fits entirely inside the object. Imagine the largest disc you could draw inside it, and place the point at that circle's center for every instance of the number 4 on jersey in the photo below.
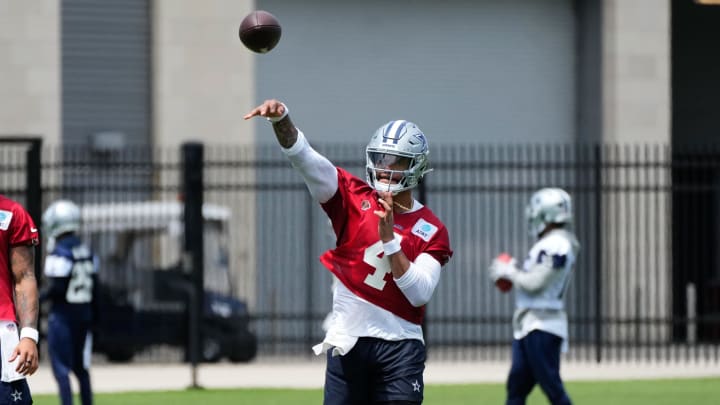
(376, 279)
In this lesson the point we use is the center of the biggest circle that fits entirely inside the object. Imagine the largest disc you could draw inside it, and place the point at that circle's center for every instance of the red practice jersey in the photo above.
(358, 260)
(16, 229)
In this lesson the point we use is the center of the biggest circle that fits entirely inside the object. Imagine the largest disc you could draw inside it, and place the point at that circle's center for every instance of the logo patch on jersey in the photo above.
(365, 205)
(559, 261)
(424, 229)
(5, 217)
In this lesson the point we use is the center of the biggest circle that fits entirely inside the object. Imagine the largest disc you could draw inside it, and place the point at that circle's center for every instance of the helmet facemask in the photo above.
(396, 157)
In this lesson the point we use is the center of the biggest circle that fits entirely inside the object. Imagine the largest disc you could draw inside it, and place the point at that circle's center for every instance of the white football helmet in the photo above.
(390, 144)
(548, 206)
(61, 217)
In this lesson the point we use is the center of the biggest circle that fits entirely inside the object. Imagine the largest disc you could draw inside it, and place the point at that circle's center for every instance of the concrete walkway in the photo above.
(310, 374)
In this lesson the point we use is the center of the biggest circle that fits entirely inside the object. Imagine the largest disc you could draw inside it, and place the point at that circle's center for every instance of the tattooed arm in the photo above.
(276, 111)
(319, 173)
(22, 263)
(285, 132)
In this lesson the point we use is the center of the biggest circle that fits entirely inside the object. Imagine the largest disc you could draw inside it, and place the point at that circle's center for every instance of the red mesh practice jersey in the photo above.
(16, 229)
(358, 260)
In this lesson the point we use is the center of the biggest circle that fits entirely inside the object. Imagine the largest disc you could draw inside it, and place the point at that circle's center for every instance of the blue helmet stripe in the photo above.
(394, 130)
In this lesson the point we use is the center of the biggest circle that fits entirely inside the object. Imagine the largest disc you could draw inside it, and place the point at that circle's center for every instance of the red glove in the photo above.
(499, 271)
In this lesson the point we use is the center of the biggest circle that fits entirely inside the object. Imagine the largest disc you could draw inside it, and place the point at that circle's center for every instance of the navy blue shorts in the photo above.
(375, 371)
(16, 392)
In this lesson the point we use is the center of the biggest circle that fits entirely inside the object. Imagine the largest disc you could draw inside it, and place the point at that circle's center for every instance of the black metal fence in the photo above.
(646, 285)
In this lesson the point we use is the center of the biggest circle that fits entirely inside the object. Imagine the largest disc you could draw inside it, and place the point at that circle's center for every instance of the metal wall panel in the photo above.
(106, 70)
(106, 77)
(480, 71)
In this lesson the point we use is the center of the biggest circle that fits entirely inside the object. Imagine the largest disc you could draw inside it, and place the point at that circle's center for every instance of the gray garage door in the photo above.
(106, 90)
(492, 71)
(106, 69)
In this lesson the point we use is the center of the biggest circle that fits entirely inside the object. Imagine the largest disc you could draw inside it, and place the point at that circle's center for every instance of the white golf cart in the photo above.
(143, 286)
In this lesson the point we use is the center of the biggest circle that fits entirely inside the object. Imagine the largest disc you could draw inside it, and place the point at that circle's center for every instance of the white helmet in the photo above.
(548, 206)
(61, 217)
(391, 142)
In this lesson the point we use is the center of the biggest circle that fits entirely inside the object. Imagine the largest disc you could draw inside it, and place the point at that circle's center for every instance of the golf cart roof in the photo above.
(142, 215)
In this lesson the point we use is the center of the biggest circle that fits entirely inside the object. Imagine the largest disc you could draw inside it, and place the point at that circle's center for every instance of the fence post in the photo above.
(33, 192)
(599, 252)
(310, 270)
(192, 190)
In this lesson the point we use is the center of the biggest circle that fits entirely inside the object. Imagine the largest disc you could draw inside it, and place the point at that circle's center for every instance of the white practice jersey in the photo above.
(545, 309)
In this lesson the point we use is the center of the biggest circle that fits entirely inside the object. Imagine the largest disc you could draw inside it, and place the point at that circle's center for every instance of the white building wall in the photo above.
(30, 69)
(637, 109)
(202, 75)
(636, 54)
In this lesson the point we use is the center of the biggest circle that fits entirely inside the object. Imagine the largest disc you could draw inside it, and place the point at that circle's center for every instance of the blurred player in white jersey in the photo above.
(540, 326)
(388, 257)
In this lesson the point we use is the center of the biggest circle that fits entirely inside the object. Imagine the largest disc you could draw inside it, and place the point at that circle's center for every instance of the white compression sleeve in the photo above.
(319, 173)
(536, 279)
(419, 281)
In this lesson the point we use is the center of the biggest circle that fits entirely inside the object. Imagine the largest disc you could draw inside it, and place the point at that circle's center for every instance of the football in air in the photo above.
(260, 31)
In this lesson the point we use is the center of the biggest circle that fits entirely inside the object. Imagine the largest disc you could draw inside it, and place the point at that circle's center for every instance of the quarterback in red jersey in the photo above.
(388, 257)
(18, 301)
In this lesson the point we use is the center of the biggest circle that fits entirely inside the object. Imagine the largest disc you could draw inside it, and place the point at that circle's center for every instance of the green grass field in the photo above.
(650, 392)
